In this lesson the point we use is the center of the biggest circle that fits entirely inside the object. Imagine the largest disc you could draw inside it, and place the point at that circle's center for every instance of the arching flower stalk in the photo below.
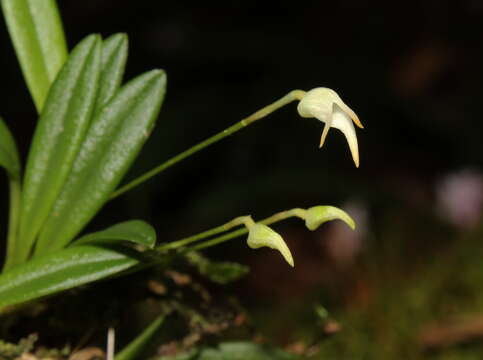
(321, 103)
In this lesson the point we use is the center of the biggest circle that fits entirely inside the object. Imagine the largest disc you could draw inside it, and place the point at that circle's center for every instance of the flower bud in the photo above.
(317, 215)
(261, 235)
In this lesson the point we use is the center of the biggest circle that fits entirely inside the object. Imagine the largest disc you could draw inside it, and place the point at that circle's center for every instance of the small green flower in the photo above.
(260, 235)
(317, 215)
(325, 105)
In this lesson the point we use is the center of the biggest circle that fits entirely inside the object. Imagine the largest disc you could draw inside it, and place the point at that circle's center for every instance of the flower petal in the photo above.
(351, 113)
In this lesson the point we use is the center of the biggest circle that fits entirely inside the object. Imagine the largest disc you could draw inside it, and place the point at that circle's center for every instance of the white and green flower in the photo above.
(325, 105)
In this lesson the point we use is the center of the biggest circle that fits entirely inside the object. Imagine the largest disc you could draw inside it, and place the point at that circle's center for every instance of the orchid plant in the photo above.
(90, 130)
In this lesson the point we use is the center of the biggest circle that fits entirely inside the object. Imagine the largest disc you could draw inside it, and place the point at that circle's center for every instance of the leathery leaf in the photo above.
(58, 136)
(38, 38)
(9, 158)
(135, 231)
(112, 143)
(114, 57)
(62, 270)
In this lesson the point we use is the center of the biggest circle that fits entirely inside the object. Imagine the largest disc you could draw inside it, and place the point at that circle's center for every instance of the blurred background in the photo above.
(408, 283)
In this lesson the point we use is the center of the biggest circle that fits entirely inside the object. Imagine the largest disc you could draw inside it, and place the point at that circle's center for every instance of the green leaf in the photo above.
(135, 231)
(110, 146)
(235, 351)
(220, 272)
(62, 270)
(58, 137)
(114, 57)
(136, 348)
(9, 158)
(38, 38)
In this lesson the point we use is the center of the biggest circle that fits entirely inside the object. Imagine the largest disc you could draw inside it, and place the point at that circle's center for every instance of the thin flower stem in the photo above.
(267, 221)
(291, 96)
(242, 220)
(297, 212)
(219, 240)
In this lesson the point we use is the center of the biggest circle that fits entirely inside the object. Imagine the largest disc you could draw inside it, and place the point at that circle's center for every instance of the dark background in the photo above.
(411, 70)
